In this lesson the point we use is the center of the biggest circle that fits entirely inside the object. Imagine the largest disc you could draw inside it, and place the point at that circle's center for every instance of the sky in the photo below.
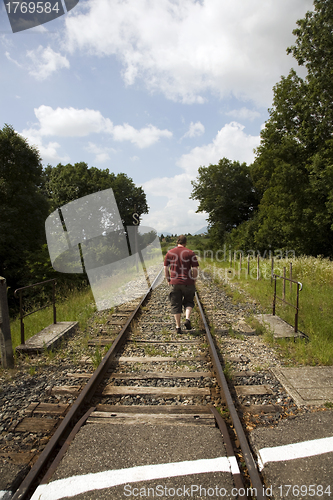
(151, 88)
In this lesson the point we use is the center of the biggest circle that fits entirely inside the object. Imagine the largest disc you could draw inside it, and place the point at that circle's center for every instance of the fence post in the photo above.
(284, 284)
(291, 274)
(272, 269)
(258, 270)
(7, 358)
(248, 264)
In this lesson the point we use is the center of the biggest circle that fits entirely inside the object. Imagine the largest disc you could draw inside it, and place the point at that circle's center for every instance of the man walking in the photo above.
(183, 265)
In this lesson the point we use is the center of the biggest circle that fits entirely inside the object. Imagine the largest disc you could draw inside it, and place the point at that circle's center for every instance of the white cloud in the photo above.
(243, 114)
(230, 142)
(71, 122)
(174, 211)
(101, 154)
(7, 54)
(48, 152)
(195, 130)
(187, 48)
(142, 138)
(45, 62)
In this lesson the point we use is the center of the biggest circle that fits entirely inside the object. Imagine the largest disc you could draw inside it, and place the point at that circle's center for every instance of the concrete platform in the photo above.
(49, 337)
(113, 462)
(279, 327)
(296, 457)
(307, 385)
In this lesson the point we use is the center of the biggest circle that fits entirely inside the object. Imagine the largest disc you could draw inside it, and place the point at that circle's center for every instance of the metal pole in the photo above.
(7, 358)
(284, 284)
(274, 296)
(21, 319)
(258, 270)
(54, 305)
(297, 304)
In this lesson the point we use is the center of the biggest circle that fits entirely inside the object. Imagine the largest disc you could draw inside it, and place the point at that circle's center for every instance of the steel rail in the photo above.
(248, 457)
(38, 469)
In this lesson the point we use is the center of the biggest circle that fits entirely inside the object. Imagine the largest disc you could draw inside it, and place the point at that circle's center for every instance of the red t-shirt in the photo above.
(181, 260)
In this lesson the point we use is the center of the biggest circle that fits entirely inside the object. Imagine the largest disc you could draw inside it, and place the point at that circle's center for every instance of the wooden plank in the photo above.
(19, 458)
(257, 409)
(256, 390)
(79, 375)
(245, 373)
(33, 424)
(162, 342)
(161, 375)
(112, 390)
(164, 409)
(51, 409)
(155, 359)
(71, 390)
(145, 418)
(102, 342)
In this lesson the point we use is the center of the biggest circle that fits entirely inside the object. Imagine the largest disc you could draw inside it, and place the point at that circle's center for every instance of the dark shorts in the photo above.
(181, 295)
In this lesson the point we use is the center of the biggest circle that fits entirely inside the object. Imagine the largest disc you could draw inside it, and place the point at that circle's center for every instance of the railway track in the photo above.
(154, 376)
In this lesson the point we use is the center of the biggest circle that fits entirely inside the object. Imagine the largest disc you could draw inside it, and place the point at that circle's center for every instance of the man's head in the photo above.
(181, 240)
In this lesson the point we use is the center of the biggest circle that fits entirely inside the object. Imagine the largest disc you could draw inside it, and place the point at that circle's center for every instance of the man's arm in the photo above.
(166, 274)
(194, 272)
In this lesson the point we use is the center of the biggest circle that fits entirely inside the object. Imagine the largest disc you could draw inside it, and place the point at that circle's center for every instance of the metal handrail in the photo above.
(299, 288)
(22, 315)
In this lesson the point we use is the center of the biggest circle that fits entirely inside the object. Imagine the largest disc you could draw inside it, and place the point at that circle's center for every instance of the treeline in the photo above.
(284, 199)
(29, 193)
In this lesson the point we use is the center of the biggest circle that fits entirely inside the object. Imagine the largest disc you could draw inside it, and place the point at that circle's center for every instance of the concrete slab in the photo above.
(296, 457)
(279, 327)
(48, 337)
(115, 461)
(307, 385)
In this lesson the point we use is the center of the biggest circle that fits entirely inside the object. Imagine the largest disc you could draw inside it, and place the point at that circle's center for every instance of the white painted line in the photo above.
(5, 495)
(234, 465)
(296, 450)
(75, 485)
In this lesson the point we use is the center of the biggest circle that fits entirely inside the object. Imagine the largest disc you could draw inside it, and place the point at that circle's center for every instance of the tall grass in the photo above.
(315, 301)
(78, 306)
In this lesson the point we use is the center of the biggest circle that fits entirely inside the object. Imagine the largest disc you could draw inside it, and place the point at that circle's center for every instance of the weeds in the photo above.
(315, 314)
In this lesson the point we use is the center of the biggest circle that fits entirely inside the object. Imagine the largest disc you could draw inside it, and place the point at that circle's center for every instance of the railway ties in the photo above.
(151, 422)
(147, 422)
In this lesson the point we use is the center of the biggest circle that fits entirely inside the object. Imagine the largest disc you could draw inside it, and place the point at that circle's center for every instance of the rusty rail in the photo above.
(22, 315)
(299, 288)
(29, 484)
(225, 392)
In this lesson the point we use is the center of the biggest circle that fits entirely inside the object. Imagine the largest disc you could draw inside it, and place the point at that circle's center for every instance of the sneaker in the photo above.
(188, 325)
(178, 330)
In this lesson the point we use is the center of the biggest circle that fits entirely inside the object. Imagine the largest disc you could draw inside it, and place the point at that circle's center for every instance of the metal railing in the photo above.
(24, 315)
(299, 288)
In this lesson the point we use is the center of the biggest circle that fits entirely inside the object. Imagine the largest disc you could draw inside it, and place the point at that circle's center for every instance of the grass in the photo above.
(315, 301)
(78, 306)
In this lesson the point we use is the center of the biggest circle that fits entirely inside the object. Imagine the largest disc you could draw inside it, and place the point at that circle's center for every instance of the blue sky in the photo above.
(154, 89)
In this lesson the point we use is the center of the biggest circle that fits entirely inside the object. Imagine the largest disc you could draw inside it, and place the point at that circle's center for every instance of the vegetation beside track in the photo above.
(315, 315)
(79, 306)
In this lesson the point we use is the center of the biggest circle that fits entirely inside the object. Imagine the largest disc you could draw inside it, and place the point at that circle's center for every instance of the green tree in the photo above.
(65, 183)
(23, 208)
(225, 191)
(293, 165)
